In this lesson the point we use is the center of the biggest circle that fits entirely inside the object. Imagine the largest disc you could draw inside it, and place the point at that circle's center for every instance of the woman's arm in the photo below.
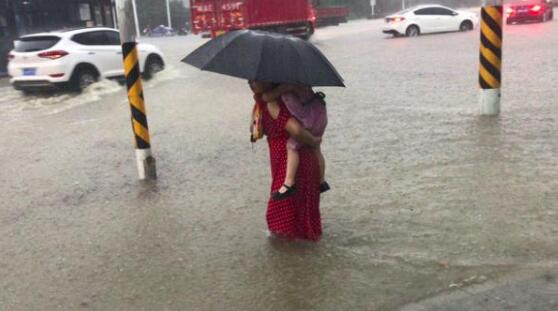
(295, 130)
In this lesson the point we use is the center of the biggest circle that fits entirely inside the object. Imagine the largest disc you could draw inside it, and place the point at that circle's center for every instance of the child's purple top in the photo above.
(312, 116)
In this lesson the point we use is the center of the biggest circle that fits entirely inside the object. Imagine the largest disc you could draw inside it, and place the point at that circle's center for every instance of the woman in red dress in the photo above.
(298, 216)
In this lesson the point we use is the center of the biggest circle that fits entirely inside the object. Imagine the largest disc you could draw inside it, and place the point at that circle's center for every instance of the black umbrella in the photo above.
(263, 56)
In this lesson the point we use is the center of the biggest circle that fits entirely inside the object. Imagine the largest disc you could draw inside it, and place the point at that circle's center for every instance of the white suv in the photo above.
(74, 59)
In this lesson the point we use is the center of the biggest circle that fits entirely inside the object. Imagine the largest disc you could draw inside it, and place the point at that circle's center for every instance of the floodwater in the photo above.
(427, 196)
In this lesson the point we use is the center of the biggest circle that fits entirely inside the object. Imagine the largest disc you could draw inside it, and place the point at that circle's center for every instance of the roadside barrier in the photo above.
(145, 161)
(490, 68)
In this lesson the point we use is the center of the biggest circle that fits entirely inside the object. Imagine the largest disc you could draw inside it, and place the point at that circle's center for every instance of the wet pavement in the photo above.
(428, 198)
(525, 291)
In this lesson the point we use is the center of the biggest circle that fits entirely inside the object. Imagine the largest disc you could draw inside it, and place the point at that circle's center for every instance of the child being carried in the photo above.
(310, 110)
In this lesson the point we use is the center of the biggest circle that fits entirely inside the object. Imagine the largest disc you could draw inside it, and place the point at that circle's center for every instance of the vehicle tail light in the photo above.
(536, 8)
(396, 19)
(510, 11)
(10, 56)
(53, 54)
(57, 75)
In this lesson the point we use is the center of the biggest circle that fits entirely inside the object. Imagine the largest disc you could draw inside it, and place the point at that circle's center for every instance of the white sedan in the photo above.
(74, 59)
(423, 19)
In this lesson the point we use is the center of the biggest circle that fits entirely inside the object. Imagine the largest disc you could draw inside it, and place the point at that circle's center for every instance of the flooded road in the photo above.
(427, 197)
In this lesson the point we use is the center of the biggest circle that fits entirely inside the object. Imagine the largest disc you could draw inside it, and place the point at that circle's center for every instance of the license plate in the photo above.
(29, 71)
(522, 11)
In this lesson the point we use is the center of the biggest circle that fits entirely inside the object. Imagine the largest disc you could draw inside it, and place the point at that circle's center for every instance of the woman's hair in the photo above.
(267, 85)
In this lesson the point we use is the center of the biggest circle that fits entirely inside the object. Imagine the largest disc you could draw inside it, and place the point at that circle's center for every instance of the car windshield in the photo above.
(35, 43)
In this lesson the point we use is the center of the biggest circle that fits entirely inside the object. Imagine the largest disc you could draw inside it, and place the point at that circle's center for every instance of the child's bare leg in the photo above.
(321, 161)
(292, 166)
(288, 187)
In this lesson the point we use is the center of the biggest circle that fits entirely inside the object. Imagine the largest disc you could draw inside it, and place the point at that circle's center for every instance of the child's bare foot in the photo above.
(284, 192)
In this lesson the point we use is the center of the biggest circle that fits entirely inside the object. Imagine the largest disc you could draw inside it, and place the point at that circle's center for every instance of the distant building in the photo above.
(20, 17)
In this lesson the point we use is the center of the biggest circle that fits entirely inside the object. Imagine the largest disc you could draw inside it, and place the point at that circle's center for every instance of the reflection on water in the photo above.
(14, 104)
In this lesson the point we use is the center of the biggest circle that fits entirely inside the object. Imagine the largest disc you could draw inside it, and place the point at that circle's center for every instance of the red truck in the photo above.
(215, 17)
(331, 12)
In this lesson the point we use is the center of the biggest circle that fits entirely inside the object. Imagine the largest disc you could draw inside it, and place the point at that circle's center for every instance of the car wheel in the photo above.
(82, 79)
(152, 67)
(466, 26)
(548, 16)
(412, 31)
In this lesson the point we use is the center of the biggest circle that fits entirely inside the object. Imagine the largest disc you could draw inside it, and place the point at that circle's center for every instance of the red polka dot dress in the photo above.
(299, 215)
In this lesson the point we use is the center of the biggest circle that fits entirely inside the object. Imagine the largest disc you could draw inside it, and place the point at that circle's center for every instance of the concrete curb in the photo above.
(531, 289)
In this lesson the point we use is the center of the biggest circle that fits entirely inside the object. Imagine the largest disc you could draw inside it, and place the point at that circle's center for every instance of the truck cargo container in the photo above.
(331, 12)
(215, 17)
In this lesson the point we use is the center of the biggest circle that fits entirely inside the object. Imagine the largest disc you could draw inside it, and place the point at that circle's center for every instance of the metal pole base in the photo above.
(146, 164)
(490, 102)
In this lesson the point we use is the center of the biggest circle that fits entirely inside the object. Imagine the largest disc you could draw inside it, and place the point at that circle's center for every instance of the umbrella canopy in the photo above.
(264, 56)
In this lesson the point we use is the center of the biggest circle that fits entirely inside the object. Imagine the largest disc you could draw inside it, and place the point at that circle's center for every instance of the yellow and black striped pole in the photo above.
(490, 69)
(145, 161)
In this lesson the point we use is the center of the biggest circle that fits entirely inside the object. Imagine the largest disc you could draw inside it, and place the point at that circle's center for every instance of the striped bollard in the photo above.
(145, 161)
(490, 69)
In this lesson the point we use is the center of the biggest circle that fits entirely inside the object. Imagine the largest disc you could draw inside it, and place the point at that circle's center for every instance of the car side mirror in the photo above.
(454, 13)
